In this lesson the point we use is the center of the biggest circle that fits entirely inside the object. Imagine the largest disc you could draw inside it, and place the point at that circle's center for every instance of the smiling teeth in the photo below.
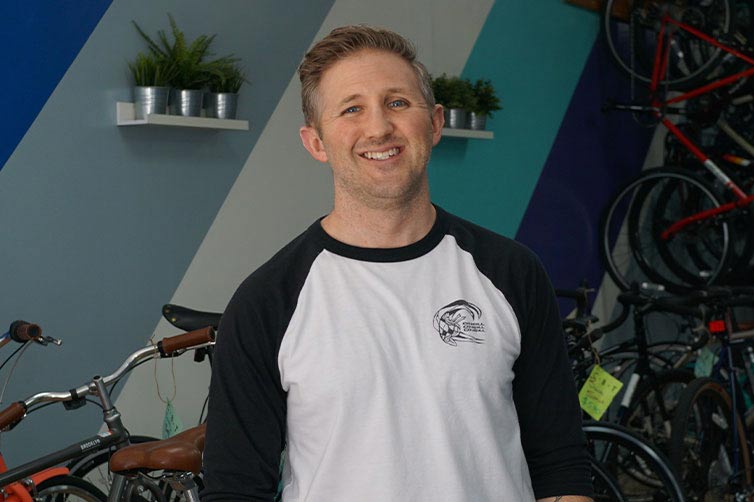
(381, 155)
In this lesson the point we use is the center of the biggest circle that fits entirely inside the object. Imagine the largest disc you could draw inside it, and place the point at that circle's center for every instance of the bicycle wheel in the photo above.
(641, 471)
(606, 488)
(631, 29)
(632, 243)
(701, 444)
(654, 404)
(68, 489)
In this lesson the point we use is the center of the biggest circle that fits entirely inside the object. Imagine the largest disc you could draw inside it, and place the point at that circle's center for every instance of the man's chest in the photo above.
(435, 325)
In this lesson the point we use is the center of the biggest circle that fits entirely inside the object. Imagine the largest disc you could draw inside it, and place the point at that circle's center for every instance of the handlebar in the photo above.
(12, 414)
(22, 331)
(167, 347)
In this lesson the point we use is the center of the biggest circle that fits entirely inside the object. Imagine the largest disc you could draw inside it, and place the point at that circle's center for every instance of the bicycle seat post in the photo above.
(184, 483)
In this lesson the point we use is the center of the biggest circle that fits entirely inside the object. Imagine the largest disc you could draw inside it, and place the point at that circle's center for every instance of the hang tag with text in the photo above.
(598, 392)
(704, 362)
(171, 424)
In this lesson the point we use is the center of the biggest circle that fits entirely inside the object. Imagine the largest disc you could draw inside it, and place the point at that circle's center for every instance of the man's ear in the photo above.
(438, 122)
(313, 143)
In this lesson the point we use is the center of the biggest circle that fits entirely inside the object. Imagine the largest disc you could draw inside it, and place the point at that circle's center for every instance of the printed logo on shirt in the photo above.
(459, 322)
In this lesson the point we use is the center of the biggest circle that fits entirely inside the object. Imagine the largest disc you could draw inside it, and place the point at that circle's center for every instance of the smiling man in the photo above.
(395, 351)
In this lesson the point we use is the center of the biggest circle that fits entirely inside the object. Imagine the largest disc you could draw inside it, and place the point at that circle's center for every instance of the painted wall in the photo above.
(103, 221)
(106, 224)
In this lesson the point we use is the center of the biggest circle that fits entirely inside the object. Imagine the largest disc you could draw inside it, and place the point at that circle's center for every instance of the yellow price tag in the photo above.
(598, 392)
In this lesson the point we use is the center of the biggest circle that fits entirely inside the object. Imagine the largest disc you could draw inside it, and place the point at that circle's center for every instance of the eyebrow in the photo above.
(353, 97)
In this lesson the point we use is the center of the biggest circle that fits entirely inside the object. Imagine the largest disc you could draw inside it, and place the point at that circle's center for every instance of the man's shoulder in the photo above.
(486, 244)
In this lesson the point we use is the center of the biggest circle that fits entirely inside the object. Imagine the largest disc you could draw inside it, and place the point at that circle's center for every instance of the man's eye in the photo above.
(351, 109)
(398, 103)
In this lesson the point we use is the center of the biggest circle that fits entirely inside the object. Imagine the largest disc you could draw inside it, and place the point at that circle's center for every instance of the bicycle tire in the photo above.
(663, 356)
(631, 30)
(68, 489)
(606, 488)
(633, 249)
(644, 414)
(701, 449)
(641, 470)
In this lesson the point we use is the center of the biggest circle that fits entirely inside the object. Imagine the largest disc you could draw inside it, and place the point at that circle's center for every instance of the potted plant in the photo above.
(224, 82)
(189, 67)
(151, 77)
(485, 102)
(456, 94)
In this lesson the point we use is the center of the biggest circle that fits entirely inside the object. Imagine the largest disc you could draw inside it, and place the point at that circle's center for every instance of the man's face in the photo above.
(375, 129)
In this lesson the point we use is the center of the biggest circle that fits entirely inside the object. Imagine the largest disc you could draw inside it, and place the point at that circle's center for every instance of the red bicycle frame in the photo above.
(661, 62)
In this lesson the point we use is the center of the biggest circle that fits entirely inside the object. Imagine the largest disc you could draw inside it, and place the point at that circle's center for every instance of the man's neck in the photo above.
(380, 228)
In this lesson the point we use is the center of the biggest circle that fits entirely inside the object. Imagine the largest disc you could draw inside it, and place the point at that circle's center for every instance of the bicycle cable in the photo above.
(22, 348)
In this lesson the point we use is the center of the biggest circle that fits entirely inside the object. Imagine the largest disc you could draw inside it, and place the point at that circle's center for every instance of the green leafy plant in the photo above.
(189, 68)
(485, 99)
(148, 70)
(453, 92)
(226, 78)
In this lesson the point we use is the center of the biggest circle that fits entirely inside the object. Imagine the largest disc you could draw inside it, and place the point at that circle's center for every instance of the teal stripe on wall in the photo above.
(534, 53)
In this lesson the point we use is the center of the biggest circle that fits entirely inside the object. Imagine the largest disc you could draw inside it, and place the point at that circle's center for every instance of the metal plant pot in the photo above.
(221, 105)
(456, 118)
(150, 100)
(186, 102)
(477, 121)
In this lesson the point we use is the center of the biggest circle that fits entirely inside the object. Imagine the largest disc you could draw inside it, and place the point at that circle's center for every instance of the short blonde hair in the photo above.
(345, 41)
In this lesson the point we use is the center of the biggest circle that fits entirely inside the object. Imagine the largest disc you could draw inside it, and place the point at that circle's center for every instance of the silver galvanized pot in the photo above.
(477, 121)
(186, 102)
(456, 118)
(150, 100)
(221, 105)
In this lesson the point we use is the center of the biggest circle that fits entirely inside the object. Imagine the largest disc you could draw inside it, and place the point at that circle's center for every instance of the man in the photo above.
(395, 351)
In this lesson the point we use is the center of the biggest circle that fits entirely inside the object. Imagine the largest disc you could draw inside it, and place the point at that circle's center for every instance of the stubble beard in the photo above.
(388, 196)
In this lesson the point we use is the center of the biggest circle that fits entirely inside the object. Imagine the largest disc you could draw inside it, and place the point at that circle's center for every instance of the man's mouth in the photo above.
(392, 152)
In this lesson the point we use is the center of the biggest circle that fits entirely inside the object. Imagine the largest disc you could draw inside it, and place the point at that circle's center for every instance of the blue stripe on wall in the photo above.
(45, 37)
(593, 154)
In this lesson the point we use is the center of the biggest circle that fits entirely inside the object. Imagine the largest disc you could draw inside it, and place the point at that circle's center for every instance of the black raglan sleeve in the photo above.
(247, 407)
(544, 391)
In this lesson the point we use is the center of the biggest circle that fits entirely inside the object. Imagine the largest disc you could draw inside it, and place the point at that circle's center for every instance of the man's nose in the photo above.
(378, 123)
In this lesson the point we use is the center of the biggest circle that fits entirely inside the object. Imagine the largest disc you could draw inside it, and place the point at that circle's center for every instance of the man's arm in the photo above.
(545, 396)
(246, 412)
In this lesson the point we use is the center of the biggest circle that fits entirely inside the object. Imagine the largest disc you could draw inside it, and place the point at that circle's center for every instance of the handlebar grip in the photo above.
(12, 414)
(22, 331)
(167, 346)
(668, 305)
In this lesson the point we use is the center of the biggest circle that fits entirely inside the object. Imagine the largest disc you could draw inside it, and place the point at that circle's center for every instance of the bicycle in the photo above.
(53, 482)
(93, 467)
(178, 460)
(709, 444)
(655, 373)
(116, 436)
(679, 230)
(624, 466)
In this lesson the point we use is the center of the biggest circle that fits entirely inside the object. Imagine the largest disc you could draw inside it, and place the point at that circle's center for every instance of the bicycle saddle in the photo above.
(181, 453)
(188, 319)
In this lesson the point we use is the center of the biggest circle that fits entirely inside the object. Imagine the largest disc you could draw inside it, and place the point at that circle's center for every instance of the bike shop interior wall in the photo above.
(104, 224)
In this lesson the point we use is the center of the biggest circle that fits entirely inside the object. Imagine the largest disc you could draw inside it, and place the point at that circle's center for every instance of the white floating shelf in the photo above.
(467, 133)
(126, 117)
